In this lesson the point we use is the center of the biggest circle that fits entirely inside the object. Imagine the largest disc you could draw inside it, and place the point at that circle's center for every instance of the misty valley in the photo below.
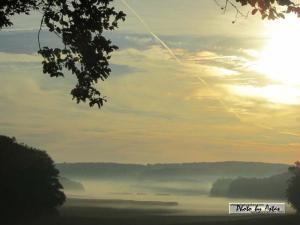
(181, 189)
(42, 192)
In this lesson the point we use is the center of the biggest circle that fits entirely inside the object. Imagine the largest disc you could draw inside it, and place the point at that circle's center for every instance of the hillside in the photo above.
(177, 171)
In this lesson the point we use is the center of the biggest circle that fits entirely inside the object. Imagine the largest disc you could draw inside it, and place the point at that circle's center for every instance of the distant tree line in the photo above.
(282, 186)
(293, 191)
(273, 187)
(174, 171)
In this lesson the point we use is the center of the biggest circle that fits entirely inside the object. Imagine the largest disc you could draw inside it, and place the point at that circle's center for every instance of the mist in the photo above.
(177, 189)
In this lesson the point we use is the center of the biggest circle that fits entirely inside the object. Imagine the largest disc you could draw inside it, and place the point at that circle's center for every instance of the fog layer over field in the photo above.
(160, 188)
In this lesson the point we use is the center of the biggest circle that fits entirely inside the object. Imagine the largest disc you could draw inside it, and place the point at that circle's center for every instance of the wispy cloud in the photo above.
(158, 110)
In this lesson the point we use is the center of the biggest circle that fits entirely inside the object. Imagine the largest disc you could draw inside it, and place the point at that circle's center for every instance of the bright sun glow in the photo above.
(279, 61)
(281, 94)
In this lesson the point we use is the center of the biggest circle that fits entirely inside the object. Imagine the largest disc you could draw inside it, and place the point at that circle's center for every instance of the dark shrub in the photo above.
(293, 191)
(29, 181)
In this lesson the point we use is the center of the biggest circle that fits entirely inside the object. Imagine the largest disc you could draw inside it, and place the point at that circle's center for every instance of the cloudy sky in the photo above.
(221, 91)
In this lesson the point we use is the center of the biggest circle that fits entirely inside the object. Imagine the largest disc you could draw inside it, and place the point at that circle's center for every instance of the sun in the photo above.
(280, 58)
(279, 62)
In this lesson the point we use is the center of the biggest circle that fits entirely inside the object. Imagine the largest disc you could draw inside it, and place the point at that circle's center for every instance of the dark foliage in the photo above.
(80, 25)
(273, 187)
(268, 9)
(29, 181)
(293, 191)
(220, 187)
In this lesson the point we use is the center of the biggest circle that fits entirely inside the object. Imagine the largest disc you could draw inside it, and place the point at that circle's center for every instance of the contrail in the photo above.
(150, 31)
(171, 52)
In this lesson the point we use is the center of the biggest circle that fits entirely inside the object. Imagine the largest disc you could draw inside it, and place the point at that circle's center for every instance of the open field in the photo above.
(109, 216)
(149, 213)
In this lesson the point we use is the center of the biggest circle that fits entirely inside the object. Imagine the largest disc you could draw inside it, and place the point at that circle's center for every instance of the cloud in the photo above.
(158, 110)
(19, 58)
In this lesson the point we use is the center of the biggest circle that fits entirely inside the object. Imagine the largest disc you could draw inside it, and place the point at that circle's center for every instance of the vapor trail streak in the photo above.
(226, 107)
(150, 31)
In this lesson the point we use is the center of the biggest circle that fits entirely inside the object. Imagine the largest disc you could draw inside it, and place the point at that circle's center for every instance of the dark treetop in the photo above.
(29, 181)
(80, 25)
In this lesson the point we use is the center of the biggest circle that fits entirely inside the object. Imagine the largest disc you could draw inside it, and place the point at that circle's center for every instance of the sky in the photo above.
(219, 91)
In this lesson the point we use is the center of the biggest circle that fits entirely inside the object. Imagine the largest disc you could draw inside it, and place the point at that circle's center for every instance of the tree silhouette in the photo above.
(293, 191)
(80, 25)
(29, 181)
(270, 9)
